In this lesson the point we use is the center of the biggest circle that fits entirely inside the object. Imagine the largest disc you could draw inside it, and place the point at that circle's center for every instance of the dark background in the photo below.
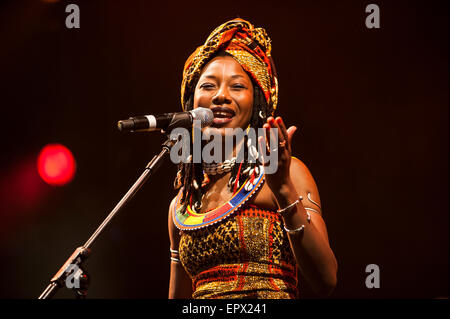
(371, 105)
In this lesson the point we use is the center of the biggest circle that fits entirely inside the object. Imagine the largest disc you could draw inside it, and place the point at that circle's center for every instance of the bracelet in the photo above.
(175, 252)
(281, 211)
(300, 229)
(294, 231)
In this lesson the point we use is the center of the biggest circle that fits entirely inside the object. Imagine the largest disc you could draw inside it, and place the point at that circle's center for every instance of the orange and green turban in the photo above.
(250, 46)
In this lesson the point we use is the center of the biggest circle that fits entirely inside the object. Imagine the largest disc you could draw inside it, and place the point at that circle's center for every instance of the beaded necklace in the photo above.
(188, 219)
(219, 168)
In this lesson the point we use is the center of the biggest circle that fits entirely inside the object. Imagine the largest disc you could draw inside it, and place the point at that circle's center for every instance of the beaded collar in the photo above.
(219, 168)
(189, 220)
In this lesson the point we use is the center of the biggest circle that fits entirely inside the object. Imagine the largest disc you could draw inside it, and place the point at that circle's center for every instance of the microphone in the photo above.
(167, 121)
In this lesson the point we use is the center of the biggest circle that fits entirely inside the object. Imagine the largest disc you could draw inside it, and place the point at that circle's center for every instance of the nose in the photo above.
(222, 96)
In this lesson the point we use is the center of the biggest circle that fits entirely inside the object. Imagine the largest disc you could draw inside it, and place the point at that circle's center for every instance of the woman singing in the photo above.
(235, 231)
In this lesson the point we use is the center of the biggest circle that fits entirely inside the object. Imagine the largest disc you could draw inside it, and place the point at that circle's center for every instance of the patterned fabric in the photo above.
(244, 256)
(250, 46)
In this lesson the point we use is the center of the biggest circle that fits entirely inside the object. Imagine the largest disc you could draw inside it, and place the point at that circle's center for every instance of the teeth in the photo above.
(222, 114)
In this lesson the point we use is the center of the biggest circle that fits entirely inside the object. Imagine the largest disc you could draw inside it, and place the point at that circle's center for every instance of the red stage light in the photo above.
(56, 164)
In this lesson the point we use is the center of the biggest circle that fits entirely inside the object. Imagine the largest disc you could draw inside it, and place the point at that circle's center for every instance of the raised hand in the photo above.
(281, 176)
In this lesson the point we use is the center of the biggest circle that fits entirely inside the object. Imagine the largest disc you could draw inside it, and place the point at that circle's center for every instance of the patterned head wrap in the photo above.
(250, 47)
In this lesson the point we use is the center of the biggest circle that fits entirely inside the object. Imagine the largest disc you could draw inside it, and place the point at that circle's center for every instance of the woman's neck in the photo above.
(227, 150)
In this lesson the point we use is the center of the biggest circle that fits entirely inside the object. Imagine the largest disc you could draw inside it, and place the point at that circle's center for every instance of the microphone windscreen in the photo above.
(125, 125)
(204, 115)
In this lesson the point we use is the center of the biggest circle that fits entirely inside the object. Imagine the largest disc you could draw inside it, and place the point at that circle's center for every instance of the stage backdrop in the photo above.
(371, 105)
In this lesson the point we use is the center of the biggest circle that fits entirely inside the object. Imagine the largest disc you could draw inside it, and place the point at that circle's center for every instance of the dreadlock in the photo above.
(190, 175)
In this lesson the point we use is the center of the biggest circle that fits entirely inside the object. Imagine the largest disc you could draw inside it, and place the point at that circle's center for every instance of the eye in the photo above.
(239, 86)
(207, 86)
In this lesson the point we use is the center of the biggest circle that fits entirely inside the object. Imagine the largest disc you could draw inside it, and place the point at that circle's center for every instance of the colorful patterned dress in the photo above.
(246, 255)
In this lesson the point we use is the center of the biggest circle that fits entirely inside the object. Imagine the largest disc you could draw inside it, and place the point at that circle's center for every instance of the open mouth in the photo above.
(222, 114)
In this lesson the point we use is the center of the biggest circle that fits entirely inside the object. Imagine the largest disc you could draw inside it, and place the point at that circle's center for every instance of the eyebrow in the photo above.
(234, 76)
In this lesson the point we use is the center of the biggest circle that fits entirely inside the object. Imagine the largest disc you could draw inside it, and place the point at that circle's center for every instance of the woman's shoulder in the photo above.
(304, 183)
(301, 178)
(173, 230)
(175, 201)
(299, 172)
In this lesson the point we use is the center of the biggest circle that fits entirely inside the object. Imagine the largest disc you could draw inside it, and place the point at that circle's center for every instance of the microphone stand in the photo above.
(73, 265)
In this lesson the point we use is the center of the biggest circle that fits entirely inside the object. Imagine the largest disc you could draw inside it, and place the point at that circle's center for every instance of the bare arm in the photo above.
(311, 247)
(292, 179)
(180, 284)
